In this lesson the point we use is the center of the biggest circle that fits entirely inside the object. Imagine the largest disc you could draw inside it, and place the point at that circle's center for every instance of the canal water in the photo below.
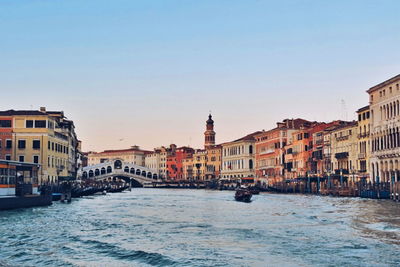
(157, 227)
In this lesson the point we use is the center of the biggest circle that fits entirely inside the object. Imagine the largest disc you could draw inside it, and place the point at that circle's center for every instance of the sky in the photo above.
(148, 72)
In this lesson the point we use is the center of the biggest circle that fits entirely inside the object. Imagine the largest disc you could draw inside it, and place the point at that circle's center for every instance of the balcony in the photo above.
(342, 171)
(342, 138)
(342, 155)
(363, 135)
(361, 156)
(268, 151)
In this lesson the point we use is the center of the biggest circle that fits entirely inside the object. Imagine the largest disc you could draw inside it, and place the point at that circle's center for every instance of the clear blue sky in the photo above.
(148, 72)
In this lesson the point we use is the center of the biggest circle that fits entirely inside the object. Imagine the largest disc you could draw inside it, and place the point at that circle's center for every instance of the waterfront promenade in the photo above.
(159, 227)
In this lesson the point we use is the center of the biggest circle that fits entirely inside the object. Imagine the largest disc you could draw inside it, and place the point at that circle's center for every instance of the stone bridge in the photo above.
(119, 168)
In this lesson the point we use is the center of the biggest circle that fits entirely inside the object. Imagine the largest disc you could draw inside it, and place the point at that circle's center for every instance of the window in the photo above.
(36, 159)
(8, 157)
(8, 143)
(40, 124)
(52, 146)
(5, 123)
(21, 144)
(29, 124)
(36, 144)
(48, 145)
(0, 143)
(21, 159)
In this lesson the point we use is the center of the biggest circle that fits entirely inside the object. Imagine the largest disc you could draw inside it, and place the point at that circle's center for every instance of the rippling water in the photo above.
(156, 227)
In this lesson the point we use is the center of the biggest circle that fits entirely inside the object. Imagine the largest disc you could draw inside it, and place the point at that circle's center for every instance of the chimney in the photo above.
(43, 109)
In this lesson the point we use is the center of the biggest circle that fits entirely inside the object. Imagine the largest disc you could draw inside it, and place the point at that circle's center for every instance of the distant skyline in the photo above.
(147, 73)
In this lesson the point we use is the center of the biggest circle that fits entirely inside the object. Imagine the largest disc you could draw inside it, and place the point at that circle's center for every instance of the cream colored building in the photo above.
(188, 170)
(364, 144)
(157, 160)
(238, 158)
(199, 164)
(344, 151)
(132, 155)
(385, 134)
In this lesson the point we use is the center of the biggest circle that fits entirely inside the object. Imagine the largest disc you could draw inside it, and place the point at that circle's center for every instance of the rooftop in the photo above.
(383, 84)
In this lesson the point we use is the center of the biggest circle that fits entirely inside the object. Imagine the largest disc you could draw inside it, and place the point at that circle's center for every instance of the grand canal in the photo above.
(156, 227)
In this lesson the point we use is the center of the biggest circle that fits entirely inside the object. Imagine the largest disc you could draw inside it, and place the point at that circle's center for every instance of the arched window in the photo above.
(109, 169)
(126, 169)
(117, 164)
(103, 171)
(97, 172)
(250, 164)
(250, 149)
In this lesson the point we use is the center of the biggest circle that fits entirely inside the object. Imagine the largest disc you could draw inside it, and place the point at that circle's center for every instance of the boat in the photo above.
(243, 195)
(19, 186)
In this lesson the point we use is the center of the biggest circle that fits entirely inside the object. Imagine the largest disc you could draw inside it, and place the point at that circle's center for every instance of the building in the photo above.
(320, 160)
(385, 135)
(214, 162)
(157, 160)
(238, 158)
(6, 136)
(364, 144)
(133, 155)
(40, 137)
(188, 170)
(297, 154)
(175, 162)
(270, 150)
(344, 151)
(199, 164)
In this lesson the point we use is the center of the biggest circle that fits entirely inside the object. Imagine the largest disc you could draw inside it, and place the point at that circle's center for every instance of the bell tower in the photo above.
(209, 134)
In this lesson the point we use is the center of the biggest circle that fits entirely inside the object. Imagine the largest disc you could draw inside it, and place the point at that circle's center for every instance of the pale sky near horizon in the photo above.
(148, 72)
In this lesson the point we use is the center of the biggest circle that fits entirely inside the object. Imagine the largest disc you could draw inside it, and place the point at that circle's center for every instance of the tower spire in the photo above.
(209, 134)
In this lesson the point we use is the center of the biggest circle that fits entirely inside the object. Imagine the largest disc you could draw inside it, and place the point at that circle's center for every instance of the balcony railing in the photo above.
(363, 135)
(361, 156)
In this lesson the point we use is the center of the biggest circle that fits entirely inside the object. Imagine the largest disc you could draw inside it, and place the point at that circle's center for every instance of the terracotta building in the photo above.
(270, 150)
(175, 163)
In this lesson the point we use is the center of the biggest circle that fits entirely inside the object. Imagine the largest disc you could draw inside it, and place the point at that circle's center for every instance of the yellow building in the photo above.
(199, 164)
(344, 151)
(364, 152)
(35, 140)
(187, 165)
(214, 162)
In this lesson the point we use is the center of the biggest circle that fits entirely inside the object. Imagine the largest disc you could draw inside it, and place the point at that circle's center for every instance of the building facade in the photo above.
(133, 155)
(385, 134)
(238, 158)
(344, 151)
(214, 162)
(175, 162)
(270, 150)
(40, 137)
(364, 144)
